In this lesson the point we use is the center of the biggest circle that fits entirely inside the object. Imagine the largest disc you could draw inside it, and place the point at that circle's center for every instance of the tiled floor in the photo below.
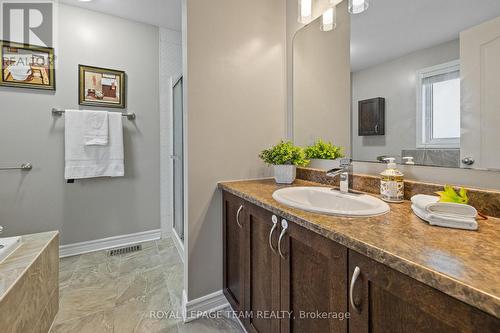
(120, 294)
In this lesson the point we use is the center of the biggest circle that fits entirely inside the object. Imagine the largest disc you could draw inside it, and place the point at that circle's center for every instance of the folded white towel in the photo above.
(432, 205)
(84, 161)
(448, 222)
(95, 131)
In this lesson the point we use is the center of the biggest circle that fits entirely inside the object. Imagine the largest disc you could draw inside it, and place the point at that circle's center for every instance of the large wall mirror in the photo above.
(423, 84)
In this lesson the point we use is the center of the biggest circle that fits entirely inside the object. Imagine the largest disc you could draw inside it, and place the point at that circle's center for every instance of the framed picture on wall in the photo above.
(101, 87)
(27, 66)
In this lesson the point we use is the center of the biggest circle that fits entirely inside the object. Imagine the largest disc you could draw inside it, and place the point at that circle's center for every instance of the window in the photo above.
(438, 106)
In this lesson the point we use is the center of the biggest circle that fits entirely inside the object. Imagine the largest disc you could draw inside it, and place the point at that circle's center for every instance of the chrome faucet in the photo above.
(345, 174)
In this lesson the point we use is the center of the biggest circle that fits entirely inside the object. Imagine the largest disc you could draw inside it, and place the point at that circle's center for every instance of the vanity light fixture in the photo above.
(329, 19)
(358, 6)
(305, 11)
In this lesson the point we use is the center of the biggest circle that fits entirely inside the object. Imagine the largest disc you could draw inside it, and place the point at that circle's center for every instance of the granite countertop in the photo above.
(462, 264)
(14, 266)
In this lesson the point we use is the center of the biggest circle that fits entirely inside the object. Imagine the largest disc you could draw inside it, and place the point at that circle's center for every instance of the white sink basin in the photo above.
(324, 200)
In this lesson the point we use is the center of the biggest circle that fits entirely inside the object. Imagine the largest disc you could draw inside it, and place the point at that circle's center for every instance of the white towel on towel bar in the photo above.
(84, 161)
(95, 131)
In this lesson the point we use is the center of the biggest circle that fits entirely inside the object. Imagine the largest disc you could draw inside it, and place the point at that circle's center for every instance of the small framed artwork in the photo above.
(101, 87)
(27, 66)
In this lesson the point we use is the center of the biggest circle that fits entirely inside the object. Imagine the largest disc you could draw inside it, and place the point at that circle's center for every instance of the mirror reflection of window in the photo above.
(439, 106)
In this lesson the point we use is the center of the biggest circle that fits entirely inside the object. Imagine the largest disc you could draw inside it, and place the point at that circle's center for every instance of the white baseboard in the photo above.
(179, 244)
(209, 303)
(108, 243)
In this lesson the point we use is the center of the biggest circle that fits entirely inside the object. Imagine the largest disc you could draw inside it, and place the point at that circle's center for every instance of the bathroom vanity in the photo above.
(29, 284)
(391, 273)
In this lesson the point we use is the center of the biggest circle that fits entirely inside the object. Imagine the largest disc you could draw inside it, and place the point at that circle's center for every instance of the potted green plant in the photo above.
(324, 155)
(285, 157)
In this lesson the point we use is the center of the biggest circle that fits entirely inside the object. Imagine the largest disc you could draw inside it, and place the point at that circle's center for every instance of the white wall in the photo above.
(292, 28)
(235, 85)
(396, 82)
(321, 83)
(170, 68)
(89, 209)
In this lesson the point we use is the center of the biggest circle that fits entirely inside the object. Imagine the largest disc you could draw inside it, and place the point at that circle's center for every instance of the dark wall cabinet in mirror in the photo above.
(371, 119)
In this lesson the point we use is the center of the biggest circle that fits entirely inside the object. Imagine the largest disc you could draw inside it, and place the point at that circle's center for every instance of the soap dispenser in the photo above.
(408, 160)
(391, 182)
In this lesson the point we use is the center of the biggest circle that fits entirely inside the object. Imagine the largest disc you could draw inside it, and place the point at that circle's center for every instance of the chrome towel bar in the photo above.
(23, 167)
(59, 112)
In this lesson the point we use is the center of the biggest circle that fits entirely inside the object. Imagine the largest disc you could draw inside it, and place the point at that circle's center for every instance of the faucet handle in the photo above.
(345, 162)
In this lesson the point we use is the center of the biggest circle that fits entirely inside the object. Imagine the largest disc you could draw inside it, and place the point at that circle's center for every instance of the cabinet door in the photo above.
(371, 117)
(234, 252)
(313, 282)
(263, 272)
(388, 301)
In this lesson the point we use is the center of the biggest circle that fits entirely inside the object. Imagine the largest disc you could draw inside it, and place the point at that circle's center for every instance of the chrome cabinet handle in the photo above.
(376, 129)
(275, 225)
(284, 225)
(238, 216)
(355, 276)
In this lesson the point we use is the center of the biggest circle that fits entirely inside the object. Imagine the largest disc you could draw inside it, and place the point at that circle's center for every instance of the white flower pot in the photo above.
(285, 174)
(324, 164)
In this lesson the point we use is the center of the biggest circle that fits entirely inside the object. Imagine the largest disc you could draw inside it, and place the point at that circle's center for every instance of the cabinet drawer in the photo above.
(384, 300)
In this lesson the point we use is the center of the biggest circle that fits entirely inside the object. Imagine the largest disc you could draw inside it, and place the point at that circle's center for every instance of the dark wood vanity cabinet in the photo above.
(388, 301)
(313, 281)
(262, 278)
(234, 250)
(302, 274)
(308, 275)
(251, 267)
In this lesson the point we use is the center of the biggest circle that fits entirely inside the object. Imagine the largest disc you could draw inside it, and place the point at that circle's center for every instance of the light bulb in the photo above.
(358, 6)
(329, 19)
(305, 11)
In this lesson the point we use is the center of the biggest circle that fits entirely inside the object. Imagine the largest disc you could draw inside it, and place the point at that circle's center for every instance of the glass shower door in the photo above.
(177, 159)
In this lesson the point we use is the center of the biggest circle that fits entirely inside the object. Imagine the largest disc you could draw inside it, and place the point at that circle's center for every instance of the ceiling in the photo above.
(387, 30)
(162, 13)
(392, 28)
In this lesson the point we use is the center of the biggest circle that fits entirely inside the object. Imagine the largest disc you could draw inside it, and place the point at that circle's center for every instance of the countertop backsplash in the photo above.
(485, 201)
